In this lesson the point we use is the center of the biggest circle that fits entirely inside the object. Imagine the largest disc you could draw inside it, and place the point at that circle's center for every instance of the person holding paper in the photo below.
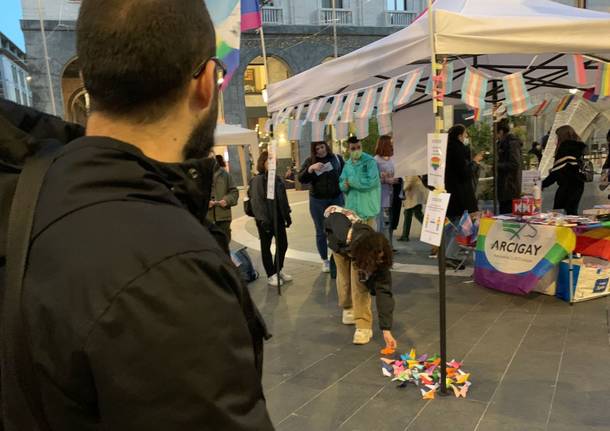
(566, 171)
(361, 183)
(263, 209)
(321, 171)
(459, 183)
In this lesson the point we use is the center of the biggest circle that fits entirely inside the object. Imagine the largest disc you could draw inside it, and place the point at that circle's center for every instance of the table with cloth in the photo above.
(519, 257)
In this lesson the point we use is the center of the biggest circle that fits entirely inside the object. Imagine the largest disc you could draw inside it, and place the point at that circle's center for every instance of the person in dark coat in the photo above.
(459, 182)
(224, 196)
(370, 258)
(509, 168)
(137, 319)
(321, 170)
(263, 210)
(566, 171)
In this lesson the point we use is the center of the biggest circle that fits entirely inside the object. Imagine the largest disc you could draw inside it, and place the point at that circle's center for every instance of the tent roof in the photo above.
(462, 27)
(232, 134)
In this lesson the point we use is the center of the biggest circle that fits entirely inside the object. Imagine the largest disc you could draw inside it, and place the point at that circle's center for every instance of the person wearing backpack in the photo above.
(567, 171)
(132, 317)
(321, 170)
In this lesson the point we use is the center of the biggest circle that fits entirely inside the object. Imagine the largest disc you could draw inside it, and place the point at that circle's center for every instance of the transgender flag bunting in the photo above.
(474, 88)
(341, 131)
(348, 107)
(409, 84)
(576, 69)
(335, 109)
(317, 131)
(295, 124)
(385, 104)
(517, 97)
(367, 103)
(315, 106)
(384, 123)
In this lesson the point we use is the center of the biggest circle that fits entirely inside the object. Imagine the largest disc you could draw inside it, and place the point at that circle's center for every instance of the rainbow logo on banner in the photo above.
(435, 162)
(513, 257)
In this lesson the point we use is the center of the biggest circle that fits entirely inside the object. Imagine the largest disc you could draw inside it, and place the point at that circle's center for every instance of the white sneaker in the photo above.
(363, 336)
(348, 317)
(326, 266)
(285, 277)
(272, 281)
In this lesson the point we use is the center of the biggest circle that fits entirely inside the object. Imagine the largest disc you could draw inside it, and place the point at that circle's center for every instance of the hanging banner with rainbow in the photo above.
(514, 257)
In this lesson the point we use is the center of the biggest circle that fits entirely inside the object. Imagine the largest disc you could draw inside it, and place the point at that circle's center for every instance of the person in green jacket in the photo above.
(360, 183)
(224, 196)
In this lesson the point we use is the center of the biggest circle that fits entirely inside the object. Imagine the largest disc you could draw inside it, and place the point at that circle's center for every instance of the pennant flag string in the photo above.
(576, 69)
(367, 103)
(564, 102)
(408, 87)
(517, 97)
(474, 88)
(602, 84)
(335, 109)
(347, 114)
(541, 109)
(385, 105)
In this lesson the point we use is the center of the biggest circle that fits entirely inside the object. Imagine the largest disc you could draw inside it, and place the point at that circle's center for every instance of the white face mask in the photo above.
(466, 141)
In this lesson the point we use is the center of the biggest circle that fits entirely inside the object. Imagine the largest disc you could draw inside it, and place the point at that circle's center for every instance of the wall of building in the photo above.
(54, 10)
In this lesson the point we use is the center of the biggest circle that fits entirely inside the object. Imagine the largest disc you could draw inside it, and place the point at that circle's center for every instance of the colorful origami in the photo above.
(424, 372)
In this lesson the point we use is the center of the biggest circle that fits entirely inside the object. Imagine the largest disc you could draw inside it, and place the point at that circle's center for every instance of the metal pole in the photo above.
(437, 109)
(46, 57)
(276, 228)
(335, 28)
(494, 96)
(264, 50)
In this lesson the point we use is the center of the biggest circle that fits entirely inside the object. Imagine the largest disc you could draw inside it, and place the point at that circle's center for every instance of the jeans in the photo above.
(281, 246)
(384, 223)
(316, 209)
(409, 213)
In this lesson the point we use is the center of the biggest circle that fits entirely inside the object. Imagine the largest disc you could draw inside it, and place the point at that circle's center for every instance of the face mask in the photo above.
(467, 141)
(356, 154)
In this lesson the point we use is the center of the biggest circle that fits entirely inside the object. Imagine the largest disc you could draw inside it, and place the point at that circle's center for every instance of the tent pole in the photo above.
(439, 126)
(494, 99)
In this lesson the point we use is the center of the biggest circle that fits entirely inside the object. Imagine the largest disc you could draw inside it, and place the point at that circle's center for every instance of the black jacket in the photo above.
(459, 180)
(326, 185)
(509, 168)
(138, 320)
(337, 228)
(566, 166)
(263, 207)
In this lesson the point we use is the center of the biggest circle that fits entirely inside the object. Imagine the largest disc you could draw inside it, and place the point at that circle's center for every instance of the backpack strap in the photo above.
(24, 408)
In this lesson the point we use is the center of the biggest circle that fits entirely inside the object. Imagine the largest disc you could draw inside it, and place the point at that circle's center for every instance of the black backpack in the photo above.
(29, 141)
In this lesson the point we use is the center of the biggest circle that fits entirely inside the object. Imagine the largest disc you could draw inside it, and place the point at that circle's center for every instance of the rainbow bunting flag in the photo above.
(542, 108)
(250, 15)
(602, 81)
(517, 97)
(576, 69)
(474, 88)
(564, 102)
(408, 87)
(590, 95)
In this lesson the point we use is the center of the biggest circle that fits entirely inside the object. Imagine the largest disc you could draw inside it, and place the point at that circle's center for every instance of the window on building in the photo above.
(15, 79)
(339, 4)
(18, 96)
(600, 5)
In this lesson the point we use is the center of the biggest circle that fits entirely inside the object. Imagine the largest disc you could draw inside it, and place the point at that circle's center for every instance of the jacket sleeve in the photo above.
(258, 198)
(550, 180)
(368, 181)
(342, 179)
(232, 195)
(304, 176)
(384, 300)
(174, 352)
(513, 161)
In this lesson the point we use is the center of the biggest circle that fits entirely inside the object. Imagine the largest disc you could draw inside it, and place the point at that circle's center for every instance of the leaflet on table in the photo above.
(434, 218)
(326, 167)
(437, 158)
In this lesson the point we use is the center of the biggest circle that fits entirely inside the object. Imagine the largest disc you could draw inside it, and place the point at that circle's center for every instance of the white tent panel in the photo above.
(232, 135)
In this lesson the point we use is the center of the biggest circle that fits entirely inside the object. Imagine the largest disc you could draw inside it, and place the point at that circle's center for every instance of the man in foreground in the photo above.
(137, 320)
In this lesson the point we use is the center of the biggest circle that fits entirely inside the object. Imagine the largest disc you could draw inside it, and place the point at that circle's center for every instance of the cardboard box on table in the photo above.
(588, 281)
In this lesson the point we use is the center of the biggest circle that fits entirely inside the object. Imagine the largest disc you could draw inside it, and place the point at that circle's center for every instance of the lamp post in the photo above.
(335, 27)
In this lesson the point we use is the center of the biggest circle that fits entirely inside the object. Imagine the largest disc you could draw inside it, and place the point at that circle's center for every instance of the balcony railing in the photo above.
(343, 16)
(400, 18)
(273, 15)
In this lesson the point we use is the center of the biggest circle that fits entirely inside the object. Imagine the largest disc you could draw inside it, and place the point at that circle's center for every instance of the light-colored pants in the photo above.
(353, 293)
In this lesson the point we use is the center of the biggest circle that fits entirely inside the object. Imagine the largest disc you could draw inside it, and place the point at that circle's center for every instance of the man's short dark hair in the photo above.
(504, 127)
(138, 56)
(353, 140)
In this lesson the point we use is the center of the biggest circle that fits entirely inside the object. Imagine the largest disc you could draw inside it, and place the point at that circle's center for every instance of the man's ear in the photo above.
(205, 87)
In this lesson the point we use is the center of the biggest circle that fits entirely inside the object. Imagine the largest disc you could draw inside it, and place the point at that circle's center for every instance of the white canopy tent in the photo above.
(229, 135)
(462, 27)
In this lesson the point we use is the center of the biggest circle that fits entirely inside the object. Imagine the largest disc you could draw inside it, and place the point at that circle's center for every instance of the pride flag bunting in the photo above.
(367, 103)
(576, 69)
(295, 125)
(315, 106)
(335, 109)
(385, 104)
(408, 87)
(541, 109)
(602, 82)
(517, 97)
(317, 131)
(444, 82)
(564, 102)
(348, 107)
(474, 88)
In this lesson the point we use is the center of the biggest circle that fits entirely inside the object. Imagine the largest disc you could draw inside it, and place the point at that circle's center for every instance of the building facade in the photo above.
(14, 77)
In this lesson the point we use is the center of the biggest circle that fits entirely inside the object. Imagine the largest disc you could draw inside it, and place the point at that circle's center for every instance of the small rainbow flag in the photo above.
(517, 97)
(250, 15)
(541, 109)
(602, 81)
(576, 69)
(474, 88)
(564, 102)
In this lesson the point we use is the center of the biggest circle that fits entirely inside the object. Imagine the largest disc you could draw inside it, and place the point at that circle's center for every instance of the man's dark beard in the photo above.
(201, 140)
